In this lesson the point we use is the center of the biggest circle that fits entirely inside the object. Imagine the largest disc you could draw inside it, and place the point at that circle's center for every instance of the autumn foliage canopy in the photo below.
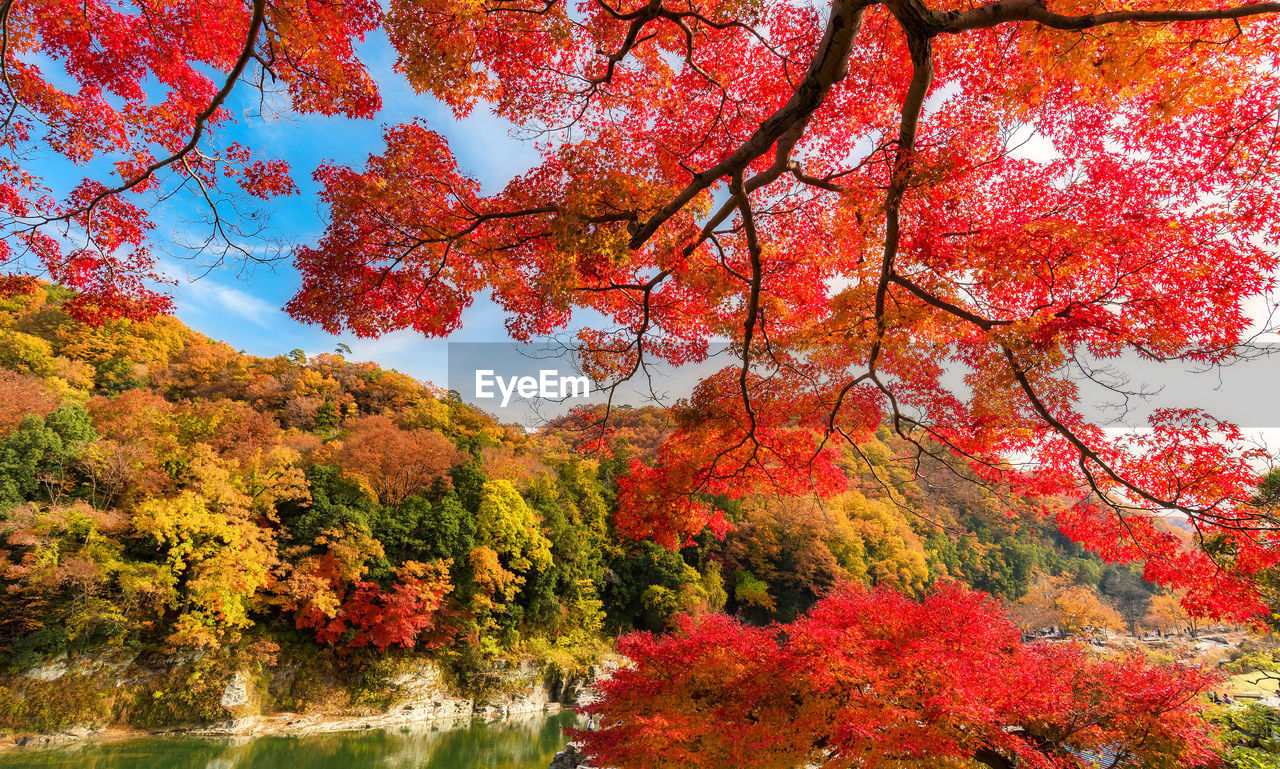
(871, 678)
(845, 192)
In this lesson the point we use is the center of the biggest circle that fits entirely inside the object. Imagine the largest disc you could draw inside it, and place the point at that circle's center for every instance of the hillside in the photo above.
(165, 498)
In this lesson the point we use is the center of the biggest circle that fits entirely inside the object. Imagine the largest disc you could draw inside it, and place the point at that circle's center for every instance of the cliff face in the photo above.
(72, 699)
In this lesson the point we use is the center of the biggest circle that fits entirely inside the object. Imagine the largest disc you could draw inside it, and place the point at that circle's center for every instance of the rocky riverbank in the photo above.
(417, 695)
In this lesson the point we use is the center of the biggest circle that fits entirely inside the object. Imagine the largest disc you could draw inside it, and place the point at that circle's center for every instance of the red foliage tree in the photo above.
(129, 86)
(330, 595)
(395, 616)
(870, 678)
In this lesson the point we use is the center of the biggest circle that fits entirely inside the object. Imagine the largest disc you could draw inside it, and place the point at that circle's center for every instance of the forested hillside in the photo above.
(162, 492)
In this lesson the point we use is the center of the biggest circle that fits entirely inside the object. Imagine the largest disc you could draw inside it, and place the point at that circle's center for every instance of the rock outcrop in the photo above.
(236, 692)
(419, 695)
(570, 758)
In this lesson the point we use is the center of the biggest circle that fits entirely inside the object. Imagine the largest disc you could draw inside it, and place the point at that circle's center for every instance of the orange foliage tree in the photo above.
(396, 463)
(1056, 601)
(22, 394)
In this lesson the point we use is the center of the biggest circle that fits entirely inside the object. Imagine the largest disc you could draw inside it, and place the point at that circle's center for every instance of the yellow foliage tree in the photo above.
(1057, 601)
(1167, 612)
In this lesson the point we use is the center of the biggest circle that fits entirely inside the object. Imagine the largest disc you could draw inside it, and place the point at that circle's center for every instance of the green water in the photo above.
(512, 744)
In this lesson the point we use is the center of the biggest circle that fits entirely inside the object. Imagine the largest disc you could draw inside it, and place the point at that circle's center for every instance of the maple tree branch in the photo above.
(200, 123)
(994, 759)
(547, 5)
(639, 19)
(921, 49)
(785, 126)
(219, 229)
(781, 164)
(478, 219)
(6, 10)
(688, 53)
(753, 302)
(825, 183)
(646, 290)
(985, 324)
(1087, 452)
(1035, 10)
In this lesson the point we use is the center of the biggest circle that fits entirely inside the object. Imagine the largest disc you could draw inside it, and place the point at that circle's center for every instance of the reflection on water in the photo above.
(511, 744)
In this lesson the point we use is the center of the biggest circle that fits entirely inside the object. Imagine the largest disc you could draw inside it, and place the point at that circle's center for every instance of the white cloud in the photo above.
(208, 297)
(238, 302)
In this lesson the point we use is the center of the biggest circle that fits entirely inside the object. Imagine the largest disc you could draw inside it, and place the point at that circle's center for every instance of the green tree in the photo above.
(646, 585)
(335, 502)
(35, 459)
(1250, 736)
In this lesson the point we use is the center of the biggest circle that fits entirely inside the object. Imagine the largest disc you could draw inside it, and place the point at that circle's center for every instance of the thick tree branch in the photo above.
(753, 299)
(1035, 10)
(994, 759)
(922, 76)
(785, 126)
(200, 123)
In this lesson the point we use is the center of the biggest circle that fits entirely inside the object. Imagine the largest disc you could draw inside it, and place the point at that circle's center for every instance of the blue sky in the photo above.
(241, 304)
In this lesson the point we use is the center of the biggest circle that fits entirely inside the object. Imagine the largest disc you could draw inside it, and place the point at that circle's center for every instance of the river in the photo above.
(519, 743)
